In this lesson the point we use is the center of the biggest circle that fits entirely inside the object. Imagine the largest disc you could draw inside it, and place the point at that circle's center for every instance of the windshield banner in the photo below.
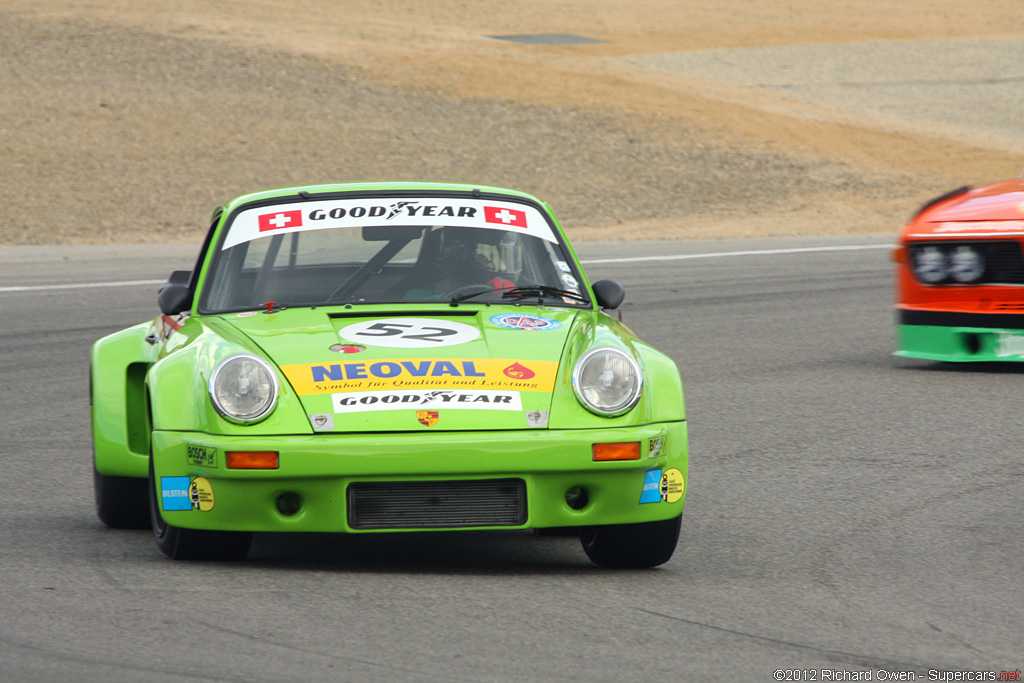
(376, 211)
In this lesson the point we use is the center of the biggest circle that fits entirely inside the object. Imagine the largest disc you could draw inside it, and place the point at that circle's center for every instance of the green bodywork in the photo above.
(149, 391)
(951, 344)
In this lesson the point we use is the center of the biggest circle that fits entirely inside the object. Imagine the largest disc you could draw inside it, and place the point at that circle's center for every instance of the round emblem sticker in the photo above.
(409, 333)
(673, 485)
(200, 494)
(515, 321)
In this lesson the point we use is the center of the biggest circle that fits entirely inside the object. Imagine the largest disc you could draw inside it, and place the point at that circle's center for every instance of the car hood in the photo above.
(449, 368)
(999, 202)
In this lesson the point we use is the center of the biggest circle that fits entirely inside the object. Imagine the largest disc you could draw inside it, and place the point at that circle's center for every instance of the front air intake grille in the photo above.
(436, 504)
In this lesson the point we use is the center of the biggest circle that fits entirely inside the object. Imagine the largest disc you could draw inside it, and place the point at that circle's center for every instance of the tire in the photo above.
(632, 546)
(194, 544)
(121, 502)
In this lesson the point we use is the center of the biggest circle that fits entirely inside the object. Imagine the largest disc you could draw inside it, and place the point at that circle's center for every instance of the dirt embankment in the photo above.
(129, 121)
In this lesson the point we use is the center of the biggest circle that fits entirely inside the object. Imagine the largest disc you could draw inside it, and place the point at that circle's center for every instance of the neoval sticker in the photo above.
(490, 374)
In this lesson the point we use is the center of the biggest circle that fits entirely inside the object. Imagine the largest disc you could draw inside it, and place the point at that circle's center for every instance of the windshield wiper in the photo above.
(455, 300)
(542, 292)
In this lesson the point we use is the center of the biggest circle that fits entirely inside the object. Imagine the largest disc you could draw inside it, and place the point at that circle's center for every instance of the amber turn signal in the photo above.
(251, 460)
(617, 451)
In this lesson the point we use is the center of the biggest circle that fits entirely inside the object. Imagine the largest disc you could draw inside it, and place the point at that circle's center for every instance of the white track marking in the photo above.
(628, 259)
(81, 285)
(726, 254)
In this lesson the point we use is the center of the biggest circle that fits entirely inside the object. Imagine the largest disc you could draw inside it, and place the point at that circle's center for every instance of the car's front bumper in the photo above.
(309, 491)
(959, 337)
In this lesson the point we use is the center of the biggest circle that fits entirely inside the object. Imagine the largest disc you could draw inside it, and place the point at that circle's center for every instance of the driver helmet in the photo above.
(480, 253)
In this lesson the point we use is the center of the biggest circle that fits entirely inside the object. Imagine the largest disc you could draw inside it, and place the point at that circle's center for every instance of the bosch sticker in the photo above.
(201, 456)
(515, 321)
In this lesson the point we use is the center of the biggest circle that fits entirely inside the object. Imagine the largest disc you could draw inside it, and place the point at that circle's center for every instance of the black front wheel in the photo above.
(632, 546)
(194, 544)
(120, 501)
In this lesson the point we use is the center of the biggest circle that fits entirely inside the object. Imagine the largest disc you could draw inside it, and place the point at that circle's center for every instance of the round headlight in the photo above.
(607, 381)
(930, 265)
(244, 388)
(966, 265)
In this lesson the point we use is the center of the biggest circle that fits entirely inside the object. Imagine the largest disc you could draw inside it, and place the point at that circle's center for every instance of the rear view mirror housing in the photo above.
(175, 296)
(608, 293)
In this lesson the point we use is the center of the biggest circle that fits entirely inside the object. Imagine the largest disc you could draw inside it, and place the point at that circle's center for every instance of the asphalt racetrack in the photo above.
(848, 511)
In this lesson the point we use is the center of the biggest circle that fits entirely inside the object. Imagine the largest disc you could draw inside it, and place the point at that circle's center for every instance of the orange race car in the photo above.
(960, 277)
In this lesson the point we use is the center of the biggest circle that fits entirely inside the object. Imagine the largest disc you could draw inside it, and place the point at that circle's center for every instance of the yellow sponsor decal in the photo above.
(200, 493)
(423, 373)
(673, 485)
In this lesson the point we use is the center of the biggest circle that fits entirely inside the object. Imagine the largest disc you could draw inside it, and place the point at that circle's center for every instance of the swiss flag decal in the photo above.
(502, 216)
(279, 220)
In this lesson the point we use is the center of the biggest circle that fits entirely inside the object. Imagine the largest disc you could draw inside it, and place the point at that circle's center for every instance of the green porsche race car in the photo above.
(388, 357)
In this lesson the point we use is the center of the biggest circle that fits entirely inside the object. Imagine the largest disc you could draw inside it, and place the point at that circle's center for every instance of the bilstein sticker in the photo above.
(174, 493)
(651, 491)
(469, 399)
(662, 487)
(422, 373)
(186, 493)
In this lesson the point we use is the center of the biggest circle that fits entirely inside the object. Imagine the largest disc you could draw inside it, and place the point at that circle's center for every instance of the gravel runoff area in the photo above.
(118, 133)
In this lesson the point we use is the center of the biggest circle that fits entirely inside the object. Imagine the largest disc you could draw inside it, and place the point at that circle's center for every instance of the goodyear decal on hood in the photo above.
(463, 399)
(490, 374)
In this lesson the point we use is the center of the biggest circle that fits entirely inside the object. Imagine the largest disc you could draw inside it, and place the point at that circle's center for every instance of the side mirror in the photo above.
(609, 293)
(175, 297)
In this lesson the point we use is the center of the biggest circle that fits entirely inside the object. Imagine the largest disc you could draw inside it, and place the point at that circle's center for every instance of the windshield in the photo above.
(383, 251)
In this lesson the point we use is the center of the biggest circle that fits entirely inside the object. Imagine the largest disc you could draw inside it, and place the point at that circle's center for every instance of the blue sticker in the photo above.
(516, 321)
(174, 493)
(652, 487)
